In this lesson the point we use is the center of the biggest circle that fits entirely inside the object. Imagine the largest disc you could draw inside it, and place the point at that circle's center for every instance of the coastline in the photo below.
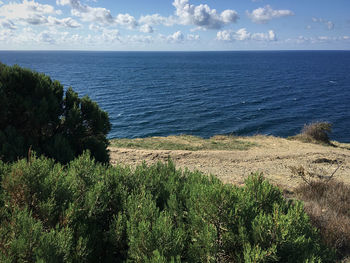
(273, 156)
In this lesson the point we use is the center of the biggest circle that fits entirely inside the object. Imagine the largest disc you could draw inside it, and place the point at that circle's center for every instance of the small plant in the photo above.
(313, 174)
(317, 131)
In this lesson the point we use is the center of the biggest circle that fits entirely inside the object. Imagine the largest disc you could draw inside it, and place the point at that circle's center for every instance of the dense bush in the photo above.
(317, 131)
(88, 212)
(34, 114)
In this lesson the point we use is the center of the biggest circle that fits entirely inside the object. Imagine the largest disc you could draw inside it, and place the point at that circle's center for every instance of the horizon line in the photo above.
(92, 50)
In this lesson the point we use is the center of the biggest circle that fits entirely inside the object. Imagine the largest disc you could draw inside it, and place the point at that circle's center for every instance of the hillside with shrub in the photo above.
(89, 212)
(62, 201)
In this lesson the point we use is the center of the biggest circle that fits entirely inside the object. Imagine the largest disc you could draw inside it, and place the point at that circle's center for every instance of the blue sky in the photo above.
(148, 25)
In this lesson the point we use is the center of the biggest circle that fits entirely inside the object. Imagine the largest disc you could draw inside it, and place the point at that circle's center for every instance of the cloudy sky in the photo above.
(174, 24)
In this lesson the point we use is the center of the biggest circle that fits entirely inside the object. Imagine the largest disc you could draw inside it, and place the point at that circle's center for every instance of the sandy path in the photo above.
(273, 157)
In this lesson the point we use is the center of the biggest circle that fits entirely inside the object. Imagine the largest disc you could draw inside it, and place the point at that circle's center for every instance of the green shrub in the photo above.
(30, 242)
(34, 114)
(89, 212)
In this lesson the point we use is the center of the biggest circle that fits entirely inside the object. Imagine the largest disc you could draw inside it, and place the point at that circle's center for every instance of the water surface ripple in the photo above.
(205, 93)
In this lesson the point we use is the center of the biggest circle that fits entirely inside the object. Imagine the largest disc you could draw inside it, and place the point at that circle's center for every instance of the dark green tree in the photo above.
(35, 115)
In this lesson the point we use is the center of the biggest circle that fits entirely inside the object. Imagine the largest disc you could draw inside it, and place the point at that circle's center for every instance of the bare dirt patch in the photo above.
(270, 155)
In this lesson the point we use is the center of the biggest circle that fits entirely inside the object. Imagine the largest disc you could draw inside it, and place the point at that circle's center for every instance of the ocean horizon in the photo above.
(204, 93)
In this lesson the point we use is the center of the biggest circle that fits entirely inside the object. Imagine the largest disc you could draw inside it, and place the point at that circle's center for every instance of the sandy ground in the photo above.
(272, 156)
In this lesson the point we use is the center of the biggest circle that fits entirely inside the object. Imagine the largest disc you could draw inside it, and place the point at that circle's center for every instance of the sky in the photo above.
(174, 25)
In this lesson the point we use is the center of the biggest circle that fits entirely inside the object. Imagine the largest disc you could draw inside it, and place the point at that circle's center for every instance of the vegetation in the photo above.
(35, 115)
(328, 204)
(68, 209)
(316, 132)
(184, 142)
(89, 212)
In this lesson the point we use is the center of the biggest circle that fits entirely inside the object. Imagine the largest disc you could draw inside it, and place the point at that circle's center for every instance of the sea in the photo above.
(205, 93)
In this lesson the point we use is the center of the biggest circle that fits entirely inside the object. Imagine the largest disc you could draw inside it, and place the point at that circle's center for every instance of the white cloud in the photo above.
(88, 13)
(54, 37)
(32, 13)
(26, 35)
(191, 37)
(202, 15)
(6, 35)
(110, 35)
(177, 37)
(25, 9)
(75, 4)
(264, 14)
(46, 37)
(270, 36)
(329, 24)
(65, 22)
(7, 24)
(301, 39)
(29, 12)
(225, 35)
(229, 16)
(317, 39)
(95, 27)
(134, 39)
(157, 19)
(126, 20)
(146, 28)
(98, 14)
(243, 35)
(324, 38)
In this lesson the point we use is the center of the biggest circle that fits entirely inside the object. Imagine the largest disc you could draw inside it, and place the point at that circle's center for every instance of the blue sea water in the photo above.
(205, 93)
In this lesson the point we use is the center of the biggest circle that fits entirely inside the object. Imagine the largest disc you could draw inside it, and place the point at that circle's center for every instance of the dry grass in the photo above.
(328, 205)
(271, 155)
(316, 132)
(184, 142)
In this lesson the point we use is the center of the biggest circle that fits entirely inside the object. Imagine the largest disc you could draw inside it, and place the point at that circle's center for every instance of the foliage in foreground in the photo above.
(88, 212)
(34, 114)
